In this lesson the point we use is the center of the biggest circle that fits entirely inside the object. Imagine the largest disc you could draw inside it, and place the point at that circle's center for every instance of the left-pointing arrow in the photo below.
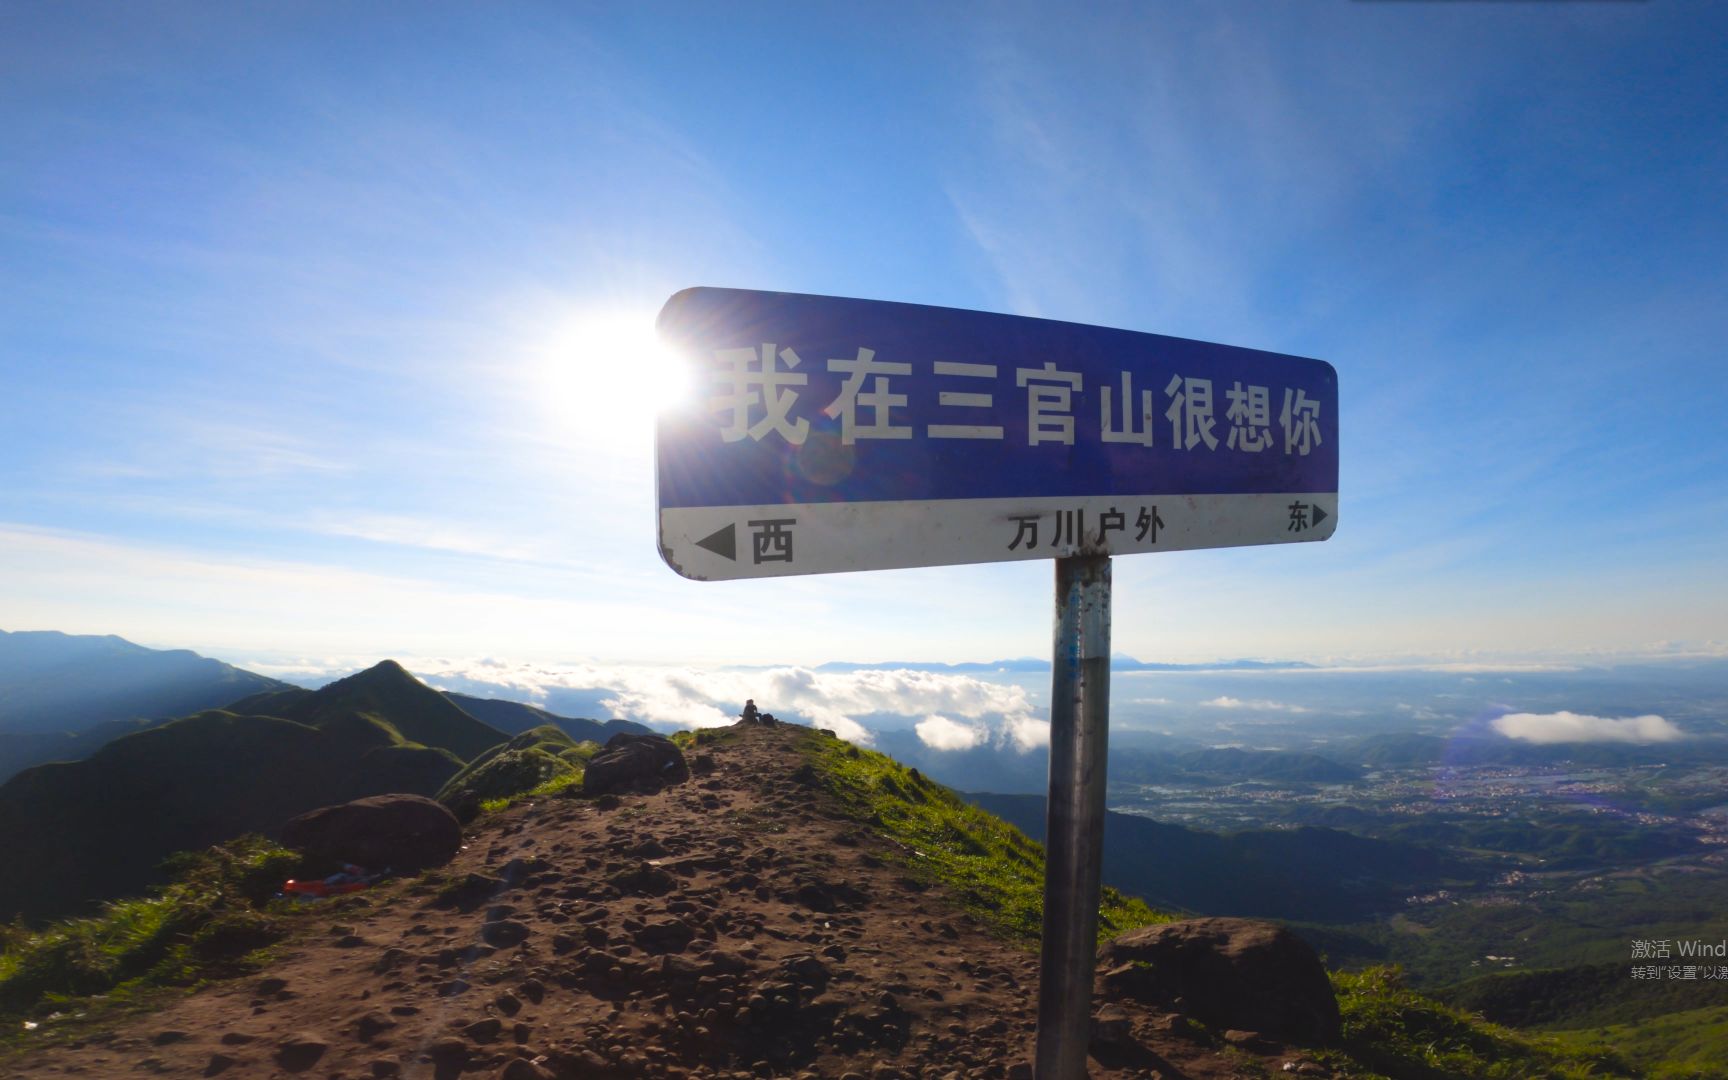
(724, 542)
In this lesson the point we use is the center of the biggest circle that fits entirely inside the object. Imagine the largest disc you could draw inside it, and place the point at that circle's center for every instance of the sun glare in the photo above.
(604, 378)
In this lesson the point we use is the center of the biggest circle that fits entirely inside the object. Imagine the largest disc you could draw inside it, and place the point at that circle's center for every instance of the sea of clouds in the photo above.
(963, 711)
(949, 711)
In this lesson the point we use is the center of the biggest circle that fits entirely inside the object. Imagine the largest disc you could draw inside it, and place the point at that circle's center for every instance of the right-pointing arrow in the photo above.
(723, 542)
(1319, 514)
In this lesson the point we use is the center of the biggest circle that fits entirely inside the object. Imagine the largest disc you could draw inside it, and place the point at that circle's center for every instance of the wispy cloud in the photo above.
(183, 447)
(1257, 705)
(436, 534)
(1068, 208)
(1570, 727)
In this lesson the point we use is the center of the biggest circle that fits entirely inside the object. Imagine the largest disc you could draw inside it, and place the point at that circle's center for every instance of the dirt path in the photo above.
(737, 925)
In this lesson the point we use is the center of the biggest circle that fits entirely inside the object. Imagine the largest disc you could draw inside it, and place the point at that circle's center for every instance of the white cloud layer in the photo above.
(1027, 732)
(941, 733)
(1568, 727)
(948, 711)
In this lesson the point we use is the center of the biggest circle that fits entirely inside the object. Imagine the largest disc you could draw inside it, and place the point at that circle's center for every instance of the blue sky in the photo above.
(319, 324)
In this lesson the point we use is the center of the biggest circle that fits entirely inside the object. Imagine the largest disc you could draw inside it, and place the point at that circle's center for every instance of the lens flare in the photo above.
(603, 378)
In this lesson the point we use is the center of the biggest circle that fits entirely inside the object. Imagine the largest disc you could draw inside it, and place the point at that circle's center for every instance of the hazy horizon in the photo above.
(1648, 701)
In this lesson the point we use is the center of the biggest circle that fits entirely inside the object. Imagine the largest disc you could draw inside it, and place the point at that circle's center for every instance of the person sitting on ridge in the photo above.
(750, 715)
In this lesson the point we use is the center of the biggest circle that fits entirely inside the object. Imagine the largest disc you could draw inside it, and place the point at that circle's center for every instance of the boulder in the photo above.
(463, 804)
(396, 832)
(634, 763)
(300, 1051)
(1226, 973)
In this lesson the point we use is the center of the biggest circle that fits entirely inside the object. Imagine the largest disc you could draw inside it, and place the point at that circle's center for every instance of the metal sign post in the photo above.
(1074, 825)
(834, 435)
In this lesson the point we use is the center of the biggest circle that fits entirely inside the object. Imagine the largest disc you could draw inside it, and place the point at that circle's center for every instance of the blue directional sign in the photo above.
(829, 434)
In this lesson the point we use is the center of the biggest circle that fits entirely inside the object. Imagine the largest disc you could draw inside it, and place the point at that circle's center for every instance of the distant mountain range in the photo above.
(65, 696)
(514, 718)
(53, 683)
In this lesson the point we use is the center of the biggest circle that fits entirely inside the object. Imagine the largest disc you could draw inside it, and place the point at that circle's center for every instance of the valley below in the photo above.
(1556, 896)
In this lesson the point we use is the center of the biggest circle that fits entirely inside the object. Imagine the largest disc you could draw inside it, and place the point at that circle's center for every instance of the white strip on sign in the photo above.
(716, 543)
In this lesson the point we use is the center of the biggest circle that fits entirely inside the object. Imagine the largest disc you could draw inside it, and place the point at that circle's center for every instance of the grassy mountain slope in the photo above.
(385, 696)
(1589, 995)
(1575, 841)
(541, 760)
(20, 750)
(389, 693)
(75, 833)
(1691, 1045)
(994, 867)
(1591, 923)
(1393, 1033)
(213, 919)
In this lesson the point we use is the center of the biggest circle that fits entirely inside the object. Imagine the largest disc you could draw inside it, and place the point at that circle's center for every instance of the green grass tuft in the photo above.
(211, 921)
(691, 741)
(996, 870)
(550, 787)
(538, 762)
(1690, 1045)
(1393, 1033)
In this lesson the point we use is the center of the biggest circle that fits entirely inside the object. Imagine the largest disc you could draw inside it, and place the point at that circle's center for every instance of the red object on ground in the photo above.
(351, 879)
(322, 888)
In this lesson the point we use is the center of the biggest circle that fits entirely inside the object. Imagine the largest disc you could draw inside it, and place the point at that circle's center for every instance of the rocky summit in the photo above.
(743, 922)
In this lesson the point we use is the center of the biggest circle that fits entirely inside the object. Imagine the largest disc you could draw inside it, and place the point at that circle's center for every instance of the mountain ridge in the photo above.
(516, 718)
(75, 833)
(56, 682)
(420, 713)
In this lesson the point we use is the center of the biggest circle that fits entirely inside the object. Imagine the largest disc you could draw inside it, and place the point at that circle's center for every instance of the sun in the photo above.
(602, 378)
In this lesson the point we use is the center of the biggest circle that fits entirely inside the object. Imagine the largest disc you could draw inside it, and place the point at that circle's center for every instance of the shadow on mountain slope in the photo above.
(75, 833)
